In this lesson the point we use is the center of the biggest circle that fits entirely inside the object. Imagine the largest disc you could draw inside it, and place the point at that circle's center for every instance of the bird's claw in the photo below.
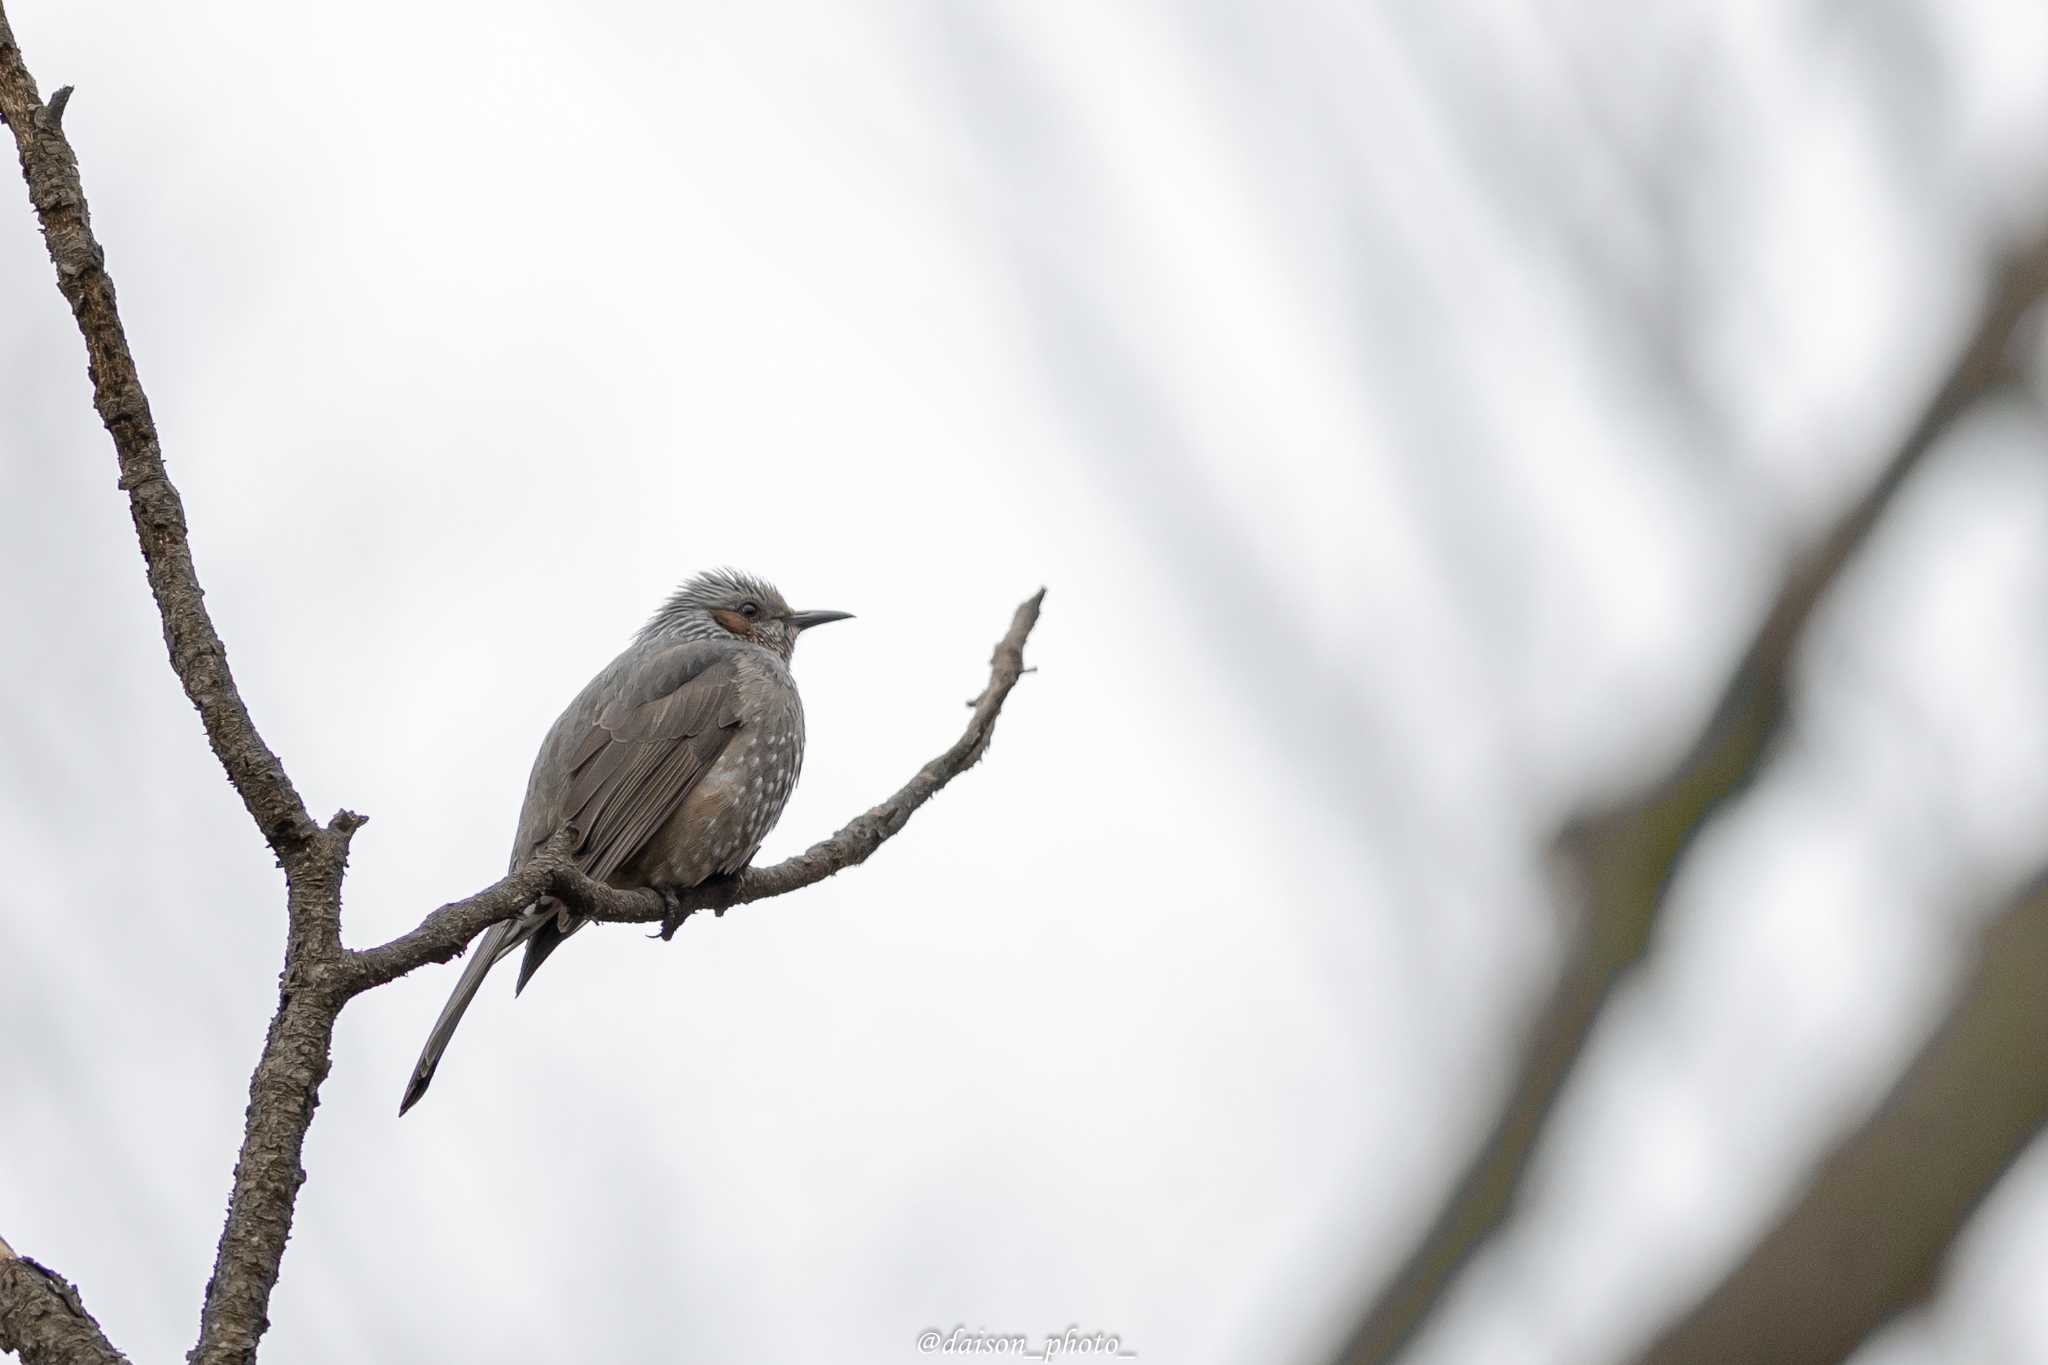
(724, 889)
(675, 912)
(727, 889)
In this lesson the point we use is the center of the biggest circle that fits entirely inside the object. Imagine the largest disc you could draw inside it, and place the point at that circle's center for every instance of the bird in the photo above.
(670, 766)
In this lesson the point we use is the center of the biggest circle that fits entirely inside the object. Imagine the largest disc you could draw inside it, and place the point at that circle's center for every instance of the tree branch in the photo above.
(284, 1088)
(40, 1315)
(1866, 1238)
(42, 1319)
(446, 931)
(1622, 858)
(284, 1091)
(197, 655)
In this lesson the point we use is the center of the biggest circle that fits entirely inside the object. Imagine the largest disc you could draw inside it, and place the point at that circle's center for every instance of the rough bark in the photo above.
(284, 1091)
(1620, 860)
(42, 1319)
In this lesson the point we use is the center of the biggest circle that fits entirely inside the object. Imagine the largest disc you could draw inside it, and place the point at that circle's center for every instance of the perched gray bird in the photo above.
(672, 765)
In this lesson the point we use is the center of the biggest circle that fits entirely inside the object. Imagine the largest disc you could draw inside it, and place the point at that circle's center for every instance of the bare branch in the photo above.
(284, 1088)
(283, 1093)
(1866, 1238)
(42, 1319)
(197, 655)
(37, 1310)
(447, 930)
(1622, 858)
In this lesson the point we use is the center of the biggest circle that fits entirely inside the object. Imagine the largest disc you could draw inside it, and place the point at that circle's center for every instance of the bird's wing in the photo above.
(657, 729)
(650, 743)
(618, 763)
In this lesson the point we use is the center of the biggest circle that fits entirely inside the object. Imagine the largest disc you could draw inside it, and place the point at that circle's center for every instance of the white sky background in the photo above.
(1406, 409)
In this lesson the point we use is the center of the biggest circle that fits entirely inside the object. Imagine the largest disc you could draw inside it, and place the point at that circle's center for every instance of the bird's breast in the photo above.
(723, 820)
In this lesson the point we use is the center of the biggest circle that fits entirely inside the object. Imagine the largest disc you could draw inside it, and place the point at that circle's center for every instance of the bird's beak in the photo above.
(804, 620)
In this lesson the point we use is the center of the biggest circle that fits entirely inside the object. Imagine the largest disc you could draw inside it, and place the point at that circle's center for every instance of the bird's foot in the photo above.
(725, 890)
(674, 911)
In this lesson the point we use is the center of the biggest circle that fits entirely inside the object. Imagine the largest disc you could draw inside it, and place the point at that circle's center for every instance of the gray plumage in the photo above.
(672, 765)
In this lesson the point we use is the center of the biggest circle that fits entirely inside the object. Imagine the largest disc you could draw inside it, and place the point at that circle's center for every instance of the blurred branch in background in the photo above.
(1619, 861)
(1866, 1238)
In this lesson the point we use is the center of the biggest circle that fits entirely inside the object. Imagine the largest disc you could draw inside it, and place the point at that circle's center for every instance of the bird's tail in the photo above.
(497, 941)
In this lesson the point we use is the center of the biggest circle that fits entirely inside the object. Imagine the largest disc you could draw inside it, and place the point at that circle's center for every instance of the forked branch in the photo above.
(41, 1317)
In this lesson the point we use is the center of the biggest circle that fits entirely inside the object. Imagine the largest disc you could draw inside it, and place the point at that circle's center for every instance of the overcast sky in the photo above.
(1406, 406)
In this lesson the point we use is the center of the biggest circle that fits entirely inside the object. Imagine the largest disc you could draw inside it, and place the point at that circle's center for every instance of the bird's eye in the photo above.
(749, 610)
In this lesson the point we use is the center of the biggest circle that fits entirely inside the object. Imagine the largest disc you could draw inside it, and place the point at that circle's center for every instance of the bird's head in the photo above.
(726, 604)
